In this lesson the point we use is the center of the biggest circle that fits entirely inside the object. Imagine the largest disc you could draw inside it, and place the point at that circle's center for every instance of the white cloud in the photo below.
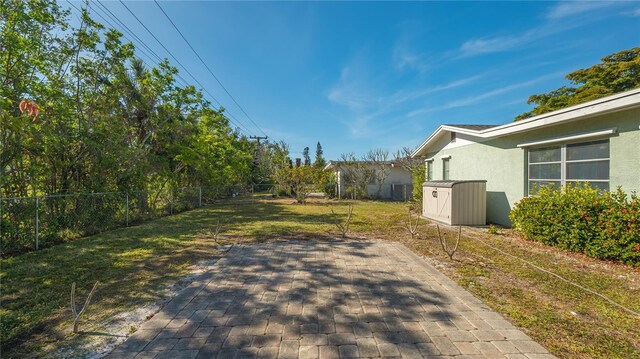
(349, 90)
(404, 96)
(404, 55)
(471, 100)
(367, 106)
(405, 59)
(636, 12)
(570, 8)
(495, 44)
(556, 22)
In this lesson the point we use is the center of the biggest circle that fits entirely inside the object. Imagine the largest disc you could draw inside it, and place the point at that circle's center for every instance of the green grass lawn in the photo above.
(135, 264)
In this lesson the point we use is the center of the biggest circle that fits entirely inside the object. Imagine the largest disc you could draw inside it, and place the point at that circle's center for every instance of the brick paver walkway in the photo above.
(326, 299)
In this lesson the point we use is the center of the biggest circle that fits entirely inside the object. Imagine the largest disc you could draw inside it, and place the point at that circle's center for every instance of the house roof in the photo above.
(474, 127)
(613, 103)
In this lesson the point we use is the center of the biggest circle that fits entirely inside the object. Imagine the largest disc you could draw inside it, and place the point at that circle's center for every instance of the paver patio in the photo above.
(326, 299)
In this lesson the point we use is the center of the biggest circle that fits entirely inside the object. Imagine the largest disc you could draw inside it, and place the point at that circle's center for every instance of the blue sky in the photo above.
(362, 75)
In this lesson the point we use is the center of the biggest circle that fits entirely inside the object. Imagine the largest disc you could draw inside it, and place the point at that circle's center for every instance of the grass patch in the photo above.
(568, 321)
(134, 264)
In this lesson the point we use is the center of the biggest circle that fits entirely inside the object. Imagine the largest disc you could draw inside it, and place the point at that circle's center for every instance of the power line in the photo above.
(207, 67)
(126, 29)
(181, 65)
(232, 118)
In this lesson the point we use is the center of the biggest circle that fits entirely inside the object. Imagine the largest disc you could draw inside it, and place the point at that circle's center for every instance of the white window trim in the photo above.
(429, 168)
(447, 160)
(563, 168)
(590, 135)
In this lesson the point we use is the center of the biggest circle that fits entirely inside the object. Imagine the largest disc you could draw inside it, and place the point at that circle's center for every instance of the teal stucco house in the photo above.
(596, 141)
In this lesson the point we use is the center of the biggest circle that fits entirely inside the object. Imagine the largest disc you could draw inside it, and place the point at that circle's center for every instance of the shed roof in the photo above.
(449, 183)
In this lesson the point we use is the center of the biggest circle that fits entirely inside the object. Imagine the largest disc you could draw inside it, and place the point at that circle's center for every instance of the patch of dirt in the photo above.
(98, 344)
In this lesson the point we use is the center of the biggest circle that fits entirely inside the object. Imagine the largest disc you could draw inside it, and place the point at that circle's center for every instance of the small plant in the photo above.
(343, 227)
(132, 329)
(410, 226)
(76, 314)
(443, 241)
(216, 231)
(493, 229)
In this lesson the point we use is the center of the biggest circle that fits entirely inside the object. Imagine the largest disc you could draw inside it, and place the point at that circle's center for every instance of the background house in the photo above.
(597, 141)
(363, 179)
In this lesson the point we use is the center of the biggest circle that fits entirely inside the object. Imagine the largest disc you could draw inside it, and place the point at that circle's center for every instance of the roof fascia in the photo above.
(613, 103)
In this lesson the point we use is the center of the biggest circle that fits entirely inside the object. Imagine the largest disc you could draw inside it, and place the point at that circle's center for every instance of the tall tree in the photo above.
(305, 155)
(319, 162)
(616, 73)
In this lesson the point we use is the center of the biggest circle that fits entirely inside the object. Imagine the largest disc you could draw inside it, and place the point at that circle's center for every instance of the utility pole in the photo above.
(258, 138)
(256, 157)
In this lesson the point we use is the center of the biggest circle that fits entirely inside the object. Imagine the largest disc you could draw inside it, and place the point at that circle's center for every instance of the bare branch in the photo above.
(343, 227)
(410, 226)
(403, 157)
(445, 246)
(76, 315)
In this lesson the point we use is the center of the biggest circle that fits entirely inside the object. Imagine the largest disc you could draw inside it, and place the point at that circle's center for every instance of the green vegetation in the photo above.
(581, 219)
(134, 264)
(80, 113)
(419, 175)
(616, 73)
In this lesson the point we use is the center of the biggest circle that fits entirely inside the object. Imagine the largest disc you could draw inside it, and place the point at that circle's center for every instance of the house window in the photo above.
(572, 163)
(445, 169)
(430, 171)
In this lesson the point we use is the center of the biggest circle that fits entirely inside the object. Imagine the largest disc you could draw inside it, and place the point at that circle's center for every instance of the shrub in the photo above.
(419, 177)
(580, 218)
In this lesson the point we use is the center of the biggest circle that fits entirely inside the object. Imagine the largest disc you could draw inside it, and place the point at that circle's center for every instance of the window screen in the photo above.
(445, 169)
(571, 163)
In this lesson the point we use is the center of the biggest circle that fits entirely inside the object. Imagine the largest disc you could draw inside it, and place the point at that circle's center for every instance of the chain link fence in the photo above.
(32, 223)
(386, 192)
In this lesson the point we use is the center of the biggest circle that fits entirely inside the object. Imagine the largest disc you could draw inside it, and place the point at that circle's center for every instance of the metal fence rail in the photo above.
(31, 223)
(387, 191)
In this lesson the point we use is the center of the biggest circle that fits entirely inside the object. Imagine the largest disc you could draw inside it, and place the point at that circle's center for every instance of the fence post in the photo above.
(253, 200)
(37, 222)
(127, 210)
(199, 196)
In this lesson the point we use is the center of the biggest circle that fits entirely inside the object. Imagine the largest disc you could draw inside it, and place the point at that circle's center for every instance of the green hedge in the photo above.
(580, 218)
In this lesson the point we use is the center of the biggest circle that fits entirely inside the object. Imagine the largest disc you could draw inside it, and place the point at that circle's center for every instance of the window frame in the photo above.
(429, 170)
(446, 168)
(564, 162)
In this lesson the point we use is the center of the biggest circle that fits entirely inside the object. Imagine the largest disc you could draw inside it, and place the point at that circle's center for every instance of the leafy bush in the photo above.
(582, 219)
(419, 177)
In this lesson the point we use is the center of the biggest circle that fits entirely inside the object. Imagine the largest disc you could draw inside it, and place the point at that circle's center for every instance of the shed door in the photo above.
(444, 204)
(431, 201)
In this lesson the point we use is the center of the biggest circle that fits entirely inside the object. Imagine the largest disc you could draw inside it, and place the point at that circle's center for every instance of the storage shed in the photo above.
(455, 202)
